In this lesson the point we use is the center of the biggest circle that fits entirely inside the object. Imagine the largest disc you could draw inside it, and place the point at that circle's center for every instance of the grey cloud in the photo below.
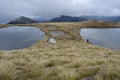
(46, 9)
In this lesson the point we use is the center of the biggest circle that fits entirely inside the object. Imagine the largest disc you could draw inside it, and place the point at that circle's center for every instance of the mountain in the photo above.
(22, 20)
(64, 18)
(103, 18)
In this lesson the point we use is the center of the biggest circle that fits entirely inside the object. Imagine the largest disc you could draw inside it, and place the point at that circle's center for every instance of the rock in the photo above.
(52, 40)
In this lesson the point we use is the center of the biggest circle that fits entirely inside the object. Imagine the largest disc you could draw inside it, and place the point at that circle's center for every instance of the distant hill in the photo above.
(22, 20)
(64, 18)
(103, 18)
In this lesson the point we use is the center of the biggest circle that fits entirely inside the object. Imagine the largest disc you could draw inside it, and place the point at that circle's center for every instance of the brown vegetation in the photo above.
(70, 58)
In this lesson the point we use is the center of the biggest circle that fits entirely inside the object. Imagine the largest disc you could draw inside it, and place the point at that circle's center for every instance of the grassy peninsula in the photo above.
(70, 58)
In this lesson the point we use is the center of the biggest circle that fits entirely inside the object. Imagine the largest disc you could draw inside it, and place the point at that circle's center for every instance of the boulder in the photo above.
(52, 40)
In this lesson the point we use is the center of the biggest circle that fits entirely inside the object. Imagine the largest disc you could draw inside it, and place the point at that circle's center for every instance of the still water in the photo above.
(109, 38)
(16, 37)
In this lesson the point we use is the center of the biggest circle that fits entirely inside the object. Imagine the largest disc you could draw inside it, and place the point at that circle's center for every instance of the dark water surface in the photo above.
(16, 37)
(56, 33)
(109, 38)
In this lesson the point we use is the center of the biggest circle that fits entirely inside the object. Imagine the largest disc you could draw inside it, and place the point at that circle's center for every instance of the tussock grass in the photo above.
(69, 59)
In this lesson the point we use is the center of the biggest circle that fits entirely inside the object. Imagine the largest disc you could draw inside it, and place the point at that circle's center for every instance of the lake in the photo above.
(59, 33)
(109, 38)
(19, 37)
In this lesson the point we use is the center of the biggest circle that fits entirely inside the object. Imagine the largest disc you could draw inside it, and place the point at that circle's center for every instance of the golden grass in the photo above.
(70, 59)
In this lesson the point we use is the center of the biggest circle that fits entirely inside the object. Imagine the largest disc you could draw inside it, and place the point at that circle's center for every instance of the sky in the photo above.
(47, 9)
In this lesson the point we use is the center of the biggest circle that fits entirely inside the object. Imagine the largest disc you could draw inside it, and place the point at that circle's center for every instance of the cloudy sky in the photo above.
(47, 9)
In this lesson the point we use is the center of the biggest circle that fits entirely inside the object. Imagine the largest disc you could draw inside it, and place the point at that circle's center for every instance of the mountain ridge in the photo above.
(64, 18)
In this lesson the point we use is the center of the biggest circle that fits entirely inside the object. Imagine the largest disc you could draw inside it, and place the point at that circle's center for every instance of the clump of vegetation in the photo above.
(69, 59)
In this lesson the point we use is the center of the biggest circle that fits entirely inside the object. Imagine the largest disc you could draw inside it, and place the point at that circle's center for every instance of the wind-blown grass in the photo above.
(70, 58)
